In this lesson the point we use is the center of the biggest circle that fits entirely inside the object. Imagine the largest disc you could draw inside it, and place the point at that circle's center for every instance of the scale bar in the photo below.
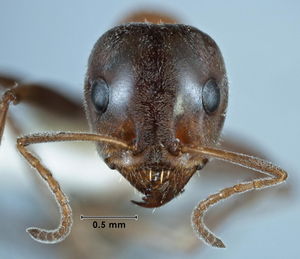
(135, 217)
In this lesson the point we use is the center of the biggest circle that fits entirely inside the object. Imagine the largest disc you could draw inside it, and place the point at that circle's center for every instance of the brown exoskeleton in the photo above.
(155, 99)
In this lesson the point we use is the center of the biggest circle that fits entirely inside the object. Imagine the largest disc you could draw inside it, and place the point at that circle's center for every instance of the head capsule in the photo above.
(157, 88)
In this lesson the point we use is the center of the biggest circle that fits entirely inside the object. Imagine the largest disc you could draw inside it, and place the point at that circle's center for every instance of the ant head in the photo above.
(157, 88)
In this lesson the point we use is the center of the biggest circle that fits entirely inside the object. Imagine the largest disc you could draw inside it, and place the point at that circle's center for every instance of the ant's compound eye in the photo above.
(211, 96)
(100, 95)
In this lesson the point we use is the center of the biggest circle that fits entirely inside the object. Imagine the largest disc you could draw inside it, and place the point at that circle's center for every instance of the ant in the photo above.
(155, 98)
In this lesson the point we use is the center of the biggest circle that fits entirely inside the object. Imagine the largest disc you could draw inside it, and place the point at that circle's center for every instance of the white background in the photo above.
(50, 42)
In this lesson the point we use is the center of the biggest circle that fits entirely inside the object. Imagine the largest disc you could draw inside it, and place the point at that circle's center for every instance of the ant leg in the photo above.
(40, 95)
(276, 176)
(64, 228)
(7, 97)
(43, 96)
